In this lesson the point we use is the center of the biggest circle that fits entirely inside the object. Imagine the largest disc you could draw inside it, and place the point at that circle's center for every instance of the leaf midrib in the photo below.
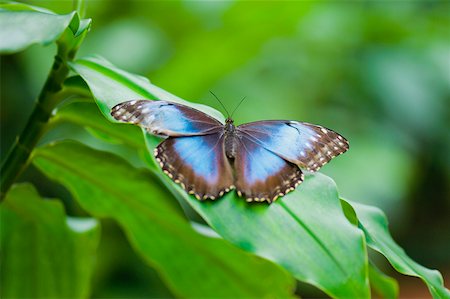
(319, 242)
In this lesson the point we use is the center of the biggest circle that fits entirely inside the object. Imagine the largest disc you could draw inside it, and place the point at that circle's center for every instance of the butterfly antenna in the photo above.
(237, 106)
(228, 114)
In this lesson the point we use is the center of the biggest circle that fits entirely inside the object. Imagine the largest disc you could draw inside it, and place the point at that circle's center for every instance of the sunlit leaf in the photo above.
(192, 265)
(23, 26)
(375, 226)
(111, 85)
(44, 254)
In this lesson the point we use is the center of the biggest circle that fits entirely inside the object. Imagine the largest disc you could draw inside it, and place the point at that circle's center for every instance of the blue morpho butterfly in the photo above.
(261, 159)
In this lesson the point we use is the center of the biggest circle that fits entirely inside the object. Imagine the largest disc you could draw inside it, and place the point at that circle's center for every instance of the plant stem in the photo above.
(48, 98)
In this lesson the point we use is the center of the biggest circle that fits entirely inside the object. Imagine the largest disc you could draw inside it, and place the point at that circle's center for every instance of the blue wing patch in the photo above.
(165, 118)
(262, 175)
(306, 145)
(198, 164)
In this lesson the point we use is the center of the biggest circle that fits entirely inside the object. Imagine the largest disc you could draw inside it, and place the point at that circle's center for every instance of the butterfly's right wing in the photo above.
(166, 118)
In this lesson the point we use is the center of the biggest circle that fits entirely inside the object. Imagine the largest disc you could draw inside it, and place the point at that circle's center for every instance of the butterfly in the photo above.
(208, 158)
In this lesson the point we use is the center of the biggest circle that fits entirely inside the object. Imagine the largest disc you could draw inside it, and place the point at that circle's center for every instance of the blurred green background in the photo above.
(377, 72)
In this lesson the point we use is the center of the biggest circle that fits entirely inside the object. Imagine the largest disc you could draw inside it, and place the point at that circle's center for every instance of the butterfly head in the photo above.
(229, 125)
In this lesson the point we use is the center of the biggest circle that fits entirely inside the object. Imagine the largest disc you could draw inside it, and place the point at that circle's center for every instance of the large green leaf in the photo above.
(191, 264)
(375, 226)
(306, 232)
(23, 26)
(44, 254)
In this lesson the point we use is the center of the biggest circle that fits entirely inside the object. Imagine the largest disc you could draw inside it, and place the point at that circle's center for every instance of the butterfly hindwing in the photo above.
(306, 145)
(166, 118)
(262, 175)
(197, 163)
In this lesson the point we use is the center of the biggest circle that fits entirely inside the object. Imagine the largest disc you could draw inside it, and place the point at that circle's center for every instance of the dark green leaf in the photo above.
(44, 254)
(375, 226)
(192, 265)
(349, 212)
(382, 284)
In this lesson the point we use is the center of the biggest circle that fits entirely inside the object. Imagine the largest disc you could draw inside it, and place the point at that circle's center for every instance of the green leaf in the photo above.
(192, 265)
(385, 286)
(44, 254)
(375, 226)
(111, 85)
(305, 232)
(17, 6)
(23, 25)
(349, 212)
(73, 36)
(87, 115)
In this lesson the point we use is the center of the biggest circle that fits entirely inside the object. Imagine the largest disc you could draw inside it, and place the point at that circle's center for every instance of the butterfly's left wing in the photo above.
(306, 145)
(166, 118)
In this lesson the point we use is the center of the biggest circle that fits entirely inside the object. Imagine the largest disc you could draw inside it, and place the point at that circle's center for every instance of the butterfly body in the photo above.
(230, 141)
(261, 160)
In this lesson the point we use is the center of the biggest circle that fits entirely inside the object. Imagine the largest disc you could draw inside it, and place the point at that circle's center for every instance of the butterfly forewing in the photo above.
(165, 118)
(197, 163)
(306, 145)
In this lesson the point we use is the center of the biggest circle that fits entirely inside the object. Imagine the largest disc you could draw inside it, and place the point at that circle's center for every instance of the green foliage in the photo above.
(86, 114)
(20, 30)
(255, 251)
(107, 186)
(44, 253)
(306, 233)
(373, 223)
(385, 286)
(24, 25)
(111, 85)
